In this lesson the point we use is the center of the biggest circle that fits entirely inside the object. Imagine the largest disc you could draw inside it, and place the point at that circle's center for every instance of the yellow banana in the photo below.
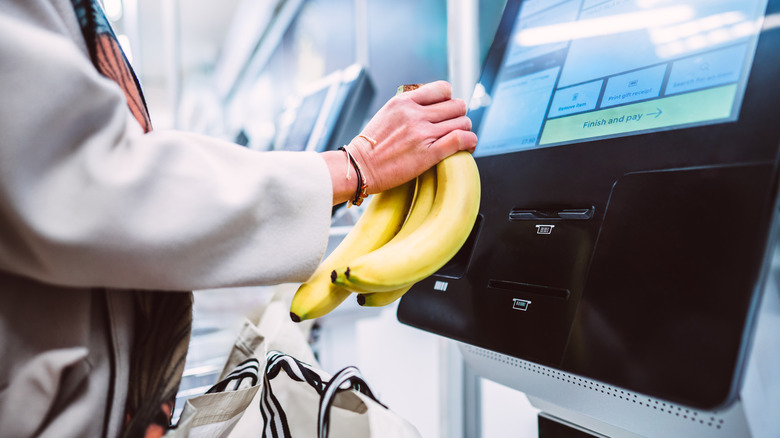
(424, 251)
(421, 206)
(381, 220)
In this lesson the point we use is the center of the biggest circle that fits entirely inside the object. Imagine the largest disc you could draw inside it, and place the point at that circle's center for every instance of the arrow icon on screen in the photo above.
(657, 113)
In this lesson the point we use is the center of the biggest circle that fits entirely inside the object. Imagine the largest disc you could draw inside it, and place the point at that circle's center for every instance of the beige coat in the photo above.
(91, 207)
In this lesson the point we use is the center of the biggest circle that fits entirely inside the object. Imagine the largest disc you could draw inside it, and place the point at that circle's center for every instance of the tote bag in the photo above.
(299, 400)
(274, 394)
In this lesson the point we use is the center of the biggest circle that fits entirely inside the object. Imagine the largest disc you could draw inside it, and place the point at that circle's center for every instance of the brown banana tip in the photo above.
(346, 273)
(333, 276)
(361, 299)
(295, 317)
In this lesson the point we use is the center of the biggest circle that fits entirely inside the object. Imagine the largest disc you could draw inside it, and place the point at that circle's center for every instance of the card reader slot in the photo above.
(547, 214)
(535, 289)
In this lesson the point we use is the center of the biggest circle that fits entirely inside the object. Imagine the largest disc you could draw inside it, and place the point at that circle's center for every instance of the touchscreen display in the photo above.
(306, 118)
(579, 70)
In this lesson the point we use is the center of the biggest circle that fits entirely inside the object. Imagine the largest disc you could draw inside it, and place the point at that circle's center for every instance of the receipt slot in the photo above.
(628, 157)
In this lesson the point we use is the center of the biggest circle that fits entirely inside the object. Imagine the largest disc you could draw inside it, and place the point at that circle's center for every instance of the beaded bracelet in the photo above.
(362, 188)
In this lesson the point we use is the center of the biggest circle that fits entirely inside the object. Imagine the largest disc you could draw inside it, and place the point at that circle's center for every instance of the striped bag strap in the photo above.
(347, 379)
(244, 375)
(274, 416)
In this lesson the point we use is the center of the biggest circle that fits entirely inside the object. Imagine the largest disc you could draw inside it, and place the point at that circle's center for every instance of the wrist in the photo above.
(360, 149)
(362, 188)
(343, 189)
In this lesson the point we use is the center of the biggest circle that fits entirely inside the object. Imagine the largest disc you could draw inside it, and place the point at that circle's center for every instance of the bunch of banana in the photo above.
(405, 235)
(414, 256)
(425, 191)
(383, 217)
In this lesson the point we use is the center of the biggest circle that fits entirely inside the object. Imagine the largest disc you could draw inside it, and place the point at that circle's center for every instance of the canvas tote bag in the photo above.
(299, 400)
(272, 387)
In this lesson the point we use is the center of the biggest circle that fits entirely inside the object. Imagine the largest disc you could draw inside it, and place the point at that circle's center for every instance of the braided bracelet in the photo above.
(362, 188)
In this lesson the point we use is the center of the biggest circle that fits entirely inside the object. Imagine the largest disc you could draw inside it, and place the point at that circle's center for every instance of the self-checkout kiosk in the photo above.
(328, 113)
(623, 269)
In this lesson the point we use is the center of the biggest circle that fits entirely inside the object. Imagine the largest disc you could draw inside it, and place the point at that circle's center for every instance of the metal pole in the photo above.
(461, 395)
(463, 46)
(362, 54)
(172, 45)
(132, 30)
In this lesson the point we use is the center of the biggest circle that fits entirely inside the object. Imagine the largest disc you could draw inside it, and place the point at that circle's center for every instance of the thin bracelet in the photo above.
(362, 188)
(368, 139)
(361, 192)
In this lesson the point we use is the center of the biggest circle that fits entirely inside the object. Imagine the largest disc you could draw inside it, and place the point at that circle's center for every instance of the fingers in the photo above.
(454, 141)
(441, 129)
(414, 131)
(449, 109)
(431, 93)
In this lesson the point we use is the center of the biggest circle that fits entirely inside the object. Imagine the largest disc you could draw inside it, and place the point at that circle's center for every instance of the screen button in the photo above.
(682, 109)
(634, 86)
(707, 70)
(576, 99)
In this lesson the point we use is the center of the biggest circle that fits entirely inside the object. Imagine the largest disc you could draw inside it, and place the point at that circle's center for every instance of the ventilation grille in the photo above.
(686, 414)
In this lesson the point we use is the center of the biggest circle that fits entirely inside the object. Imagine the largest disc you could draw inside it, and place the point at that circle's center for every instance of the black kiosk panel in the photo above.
(628, 156)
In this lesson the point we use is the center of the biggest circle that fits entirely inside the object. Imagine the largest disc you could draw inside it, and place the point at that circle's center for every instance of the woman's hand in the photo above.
(413, 131)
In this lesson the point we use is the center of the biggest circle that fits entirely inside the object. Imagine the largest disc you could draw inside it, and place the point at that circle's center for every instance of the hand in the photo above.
(413, 131)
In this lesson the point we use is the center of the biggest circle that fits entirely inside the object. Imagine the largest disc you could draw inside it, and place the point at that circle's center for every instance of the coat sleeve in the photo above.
(88, 199)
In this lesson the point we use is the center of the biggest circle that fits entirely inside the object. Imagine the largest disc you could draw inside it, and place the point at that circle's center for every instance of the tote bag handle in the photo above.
(347, 379)
(272, 411)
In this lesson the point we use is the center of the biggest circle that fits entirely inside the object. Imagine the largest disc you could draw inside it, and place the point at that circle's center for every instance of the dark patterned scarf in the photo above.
(163, 319)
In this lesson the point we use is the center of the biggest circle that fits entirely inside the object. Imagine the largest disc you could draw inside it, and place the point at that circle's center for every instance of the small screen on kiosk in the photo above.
(581, 70)
(305, 120)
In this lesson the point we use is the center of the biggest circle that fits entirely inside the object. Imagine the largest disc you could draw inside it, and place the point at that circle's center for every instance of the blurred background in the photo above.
(264, 73)
(217, 67)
